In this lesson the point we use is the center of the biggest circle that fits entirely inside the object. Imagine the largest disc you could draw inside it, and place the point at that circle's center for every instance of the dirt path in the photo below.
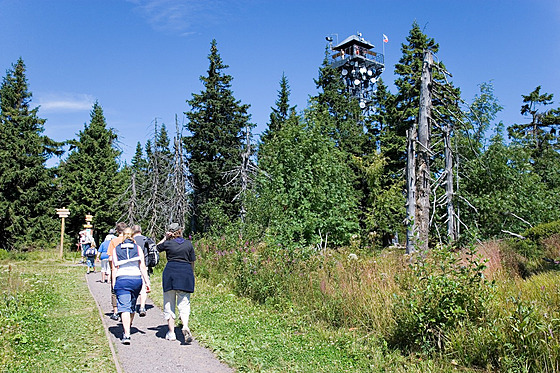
(149, 350)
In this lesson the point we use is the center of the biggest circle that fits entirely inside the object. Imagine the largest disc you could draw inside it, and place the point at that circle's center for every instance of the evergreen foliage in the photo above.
(89, 179)
(444, 95)
(282, 112)
(541, 135)
(26, 185)
(217, 124)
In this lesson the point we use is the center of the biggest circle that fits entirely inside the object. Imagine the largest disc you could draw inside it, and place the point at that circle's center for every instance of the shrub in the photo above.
(440, 292)
(540, 241)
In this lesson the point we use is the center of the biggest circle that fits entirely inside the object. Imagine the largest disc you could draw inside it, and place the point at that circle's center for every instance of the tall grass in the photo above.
(446, 307)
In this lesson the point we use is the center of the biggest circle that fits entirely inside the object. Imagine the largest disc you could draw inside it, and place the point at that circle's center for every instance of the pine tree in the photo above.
(90, 179)
(217, 123)
(26, 185)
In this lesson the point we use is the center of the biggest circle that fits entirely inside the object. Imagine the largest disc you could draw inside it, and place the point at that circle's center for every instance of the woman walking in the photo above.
(128, 270)
(177, 279)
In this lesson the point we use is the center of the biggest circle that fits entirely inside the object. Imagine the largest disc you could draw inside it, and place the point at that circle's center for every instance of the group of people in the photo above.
(123, 256)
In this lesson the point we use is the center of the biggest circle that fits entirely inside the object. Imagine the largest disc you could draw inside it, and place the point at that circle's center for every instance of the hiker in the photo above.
(89, 250)
(103, 256)
(128, 270)
(141, 240)
(177, 279)
(119, 228)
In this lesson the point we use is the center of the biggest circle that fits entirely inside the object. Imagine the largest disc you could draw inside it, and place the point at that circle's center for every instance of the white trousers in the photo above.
(105, 267)
(183, 301)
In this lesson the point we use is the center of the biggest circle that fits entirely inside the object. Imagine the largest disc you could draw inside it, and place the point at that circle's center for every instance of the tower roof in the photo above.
(354, 40)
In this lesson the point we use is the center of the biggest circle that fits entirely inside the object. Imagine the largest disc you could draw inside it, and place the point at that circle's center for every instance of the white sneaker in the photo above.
(170, 336)
(187, 334)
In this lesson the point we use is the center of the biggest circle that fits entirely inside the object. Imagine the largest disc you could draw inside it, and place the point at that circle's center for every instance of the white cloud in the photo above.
(179, 16)
(57, 102)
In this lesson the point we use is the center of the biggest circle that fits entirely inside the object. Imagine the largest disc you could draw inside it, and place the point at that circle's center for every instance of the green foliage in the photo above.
(90, 182)
(385, 200)
(531, 250)
(521, 332)
(217, 123)
(307, 191)
(441, 293)
(26, 185)
(503, 187)
(540, 136)
(282, 112)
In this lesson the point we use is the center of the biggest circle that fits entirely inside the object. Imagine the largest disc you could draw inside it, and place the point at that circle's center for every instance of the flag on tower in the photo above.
(385, 38)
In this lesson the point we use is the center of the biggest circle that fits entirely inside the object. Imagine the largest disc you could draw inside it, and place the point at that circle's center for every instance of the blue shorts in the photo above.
(90, 260)
(127, 289)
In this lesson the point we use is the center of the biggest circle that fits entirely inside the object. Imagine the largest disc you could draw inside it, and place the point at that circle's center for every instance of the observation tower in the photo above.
(358, 65)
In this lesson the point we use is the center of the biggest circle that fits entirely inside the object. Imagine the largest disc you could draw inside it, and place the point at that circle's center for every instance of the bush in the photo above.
(440, 293)
(540, 242)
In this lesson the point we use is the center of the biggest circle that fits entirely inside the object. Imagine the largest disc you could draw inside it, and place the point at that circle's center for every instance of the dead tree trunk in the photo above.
(449, 193)
(133, 202)
(411, 190)
(423, 158)
(179, 198)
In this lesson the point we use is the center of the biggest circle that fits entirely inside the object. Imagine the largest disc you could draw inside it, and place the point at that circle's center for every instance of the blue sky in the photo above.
(142, 59)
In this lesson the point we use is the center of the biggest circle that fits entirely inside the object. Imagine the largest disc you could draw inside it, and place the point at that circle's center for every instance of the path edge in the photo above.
(105, 328)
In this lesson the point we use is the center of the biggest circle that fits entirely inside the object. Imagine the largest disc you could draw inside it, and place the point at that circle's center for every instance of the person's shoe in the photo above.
(125, 340)
(187, 334)
(170, 336)
(142, 311)
(114, 316)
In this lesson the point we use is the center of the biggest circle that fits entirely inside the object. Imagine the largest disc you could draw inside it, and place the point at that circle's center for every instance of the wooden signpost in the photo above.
(62, 213)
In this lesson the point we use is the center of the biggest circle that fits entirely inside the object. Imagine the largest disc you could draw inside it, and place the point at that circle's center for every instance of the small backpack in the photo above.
(152, 259)
(90, 251)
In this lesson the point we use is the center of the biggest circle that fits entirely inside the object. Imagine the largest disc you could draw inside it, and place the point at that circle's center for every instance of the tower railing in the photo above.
(357, 52)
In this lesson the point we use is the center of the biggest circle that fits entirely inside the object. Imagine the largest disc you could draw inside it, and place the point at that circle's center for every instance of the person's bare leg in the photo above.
(126, 322)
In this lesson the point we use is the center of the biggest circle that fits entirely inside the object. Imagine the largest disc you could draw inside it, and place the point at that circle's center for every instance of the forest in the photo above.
(324, 185)
(330, 170)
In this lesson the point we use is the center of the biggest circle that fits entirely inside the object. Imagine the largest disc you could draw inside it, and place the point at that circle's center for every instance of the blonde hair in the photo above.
(127, 233)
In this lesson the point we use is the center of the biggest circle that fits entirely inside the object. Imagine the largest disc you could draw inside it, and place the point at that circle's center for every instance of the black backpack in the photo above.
(152, 257)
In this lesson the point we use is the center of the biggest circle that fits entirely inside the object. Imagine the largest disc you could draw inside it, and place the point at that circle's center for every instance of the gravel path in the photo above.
(149, 351)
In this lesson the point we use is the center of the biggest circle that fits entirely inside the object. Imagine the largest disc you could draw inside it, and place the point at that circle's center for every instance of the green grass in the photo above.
(48, 319)
(253, 337)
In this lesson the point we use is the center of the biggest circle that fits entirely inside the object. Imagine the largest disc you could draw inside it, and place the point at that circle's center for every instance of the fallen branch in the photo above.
(514, 234)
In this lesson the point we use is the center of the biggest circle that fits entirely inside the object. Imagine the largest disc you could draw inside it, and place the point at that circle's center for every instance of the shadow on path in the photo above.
(149, 351)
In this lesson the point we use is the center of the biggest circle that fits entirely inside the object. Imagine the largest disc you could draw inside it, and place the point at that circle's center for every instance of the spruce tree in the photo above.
(541, 135)
(444, 115)
(345, 126)
(281, 112)
(90, 179)
(26, 185)
(409, 71)
(216, 122)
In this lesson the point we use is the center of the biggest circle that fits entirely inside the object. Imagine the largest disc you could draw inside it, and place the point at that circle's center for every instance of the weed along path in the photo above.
(149, 351)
